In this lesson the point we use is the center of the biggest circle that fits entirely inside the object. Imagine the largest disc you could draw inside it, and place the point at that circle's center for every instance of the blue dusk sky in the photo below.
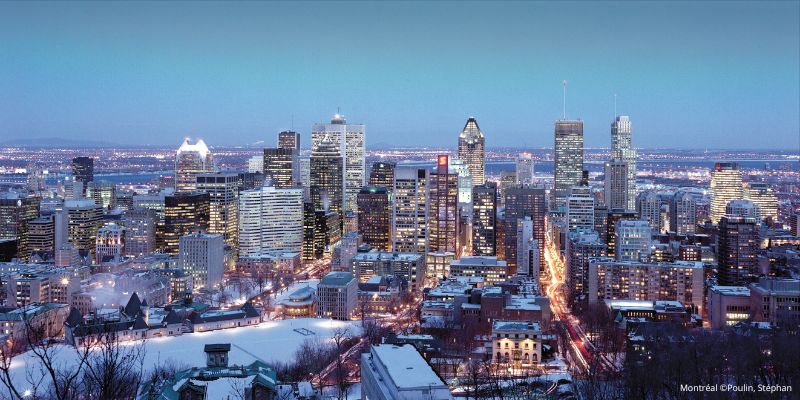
(690, 74)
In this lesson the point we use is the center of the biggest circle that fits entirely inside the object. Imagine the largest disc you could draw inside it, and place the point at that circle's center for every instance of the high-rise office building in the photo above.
(17, 209)
(322, 229)
(348, 139)
(202, 257)
(289, 140)
(743, 208)
(737, 248)
(649, 205)
(184, 213)
(374, 217)
(103, 193)
(633, 240)
(382, 174)
(223, 208)
(523, 201)
(410, 210)
(140, 231)
(110, 242)
(683, 213)
(616, 185)
(443, 209)
(568, 160)
(581, 245)
(612, 221)
(191, 160)
(270, 220)
(326, 176)
(83, 171)
(281, 167)
(255, 164)
(622, 150)
(726, 185)
(528, 263)
(484, 219)
(83, 220)
(580, 209)
(471, 150)
(42, 236)
(764, 197)
(524, 169)
(464, 184)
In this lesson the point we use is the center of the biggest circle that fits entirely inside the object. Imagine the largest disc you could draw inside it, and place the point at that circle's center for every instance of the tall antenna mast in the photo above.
(615, 105)
(565, 98)
(292, 122)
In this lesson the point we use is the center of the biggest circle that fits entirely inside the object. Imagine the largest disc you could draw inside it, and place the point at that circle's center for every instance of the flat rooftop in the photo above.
(406, 367)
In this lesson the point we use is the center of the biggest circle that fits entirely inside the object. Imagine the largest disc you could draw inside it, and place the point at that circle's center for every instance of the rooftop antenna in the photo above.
(565, 98)
(615, 105)
(292, 122)
(337, 110)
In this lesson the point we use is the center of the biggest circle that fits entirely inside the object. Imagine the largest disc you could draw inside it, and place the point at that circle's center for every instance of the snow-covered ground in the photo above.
(268, 341)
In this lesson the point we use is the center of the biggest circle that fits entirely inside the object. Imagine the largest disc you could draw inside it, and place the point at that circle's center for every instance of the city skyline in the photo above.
(125, 74)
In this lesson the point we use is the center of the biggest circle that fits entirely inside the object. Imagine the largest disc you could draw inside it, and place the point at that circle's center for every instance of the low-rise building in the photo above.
(390, 372)
(338, 294)
(300, 303)
(492, 270)
(728, 305)
(518, 343)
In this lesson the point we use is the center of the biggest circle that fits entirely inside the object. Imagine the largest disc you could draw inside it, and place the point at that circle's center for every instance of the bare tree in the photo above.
(114, 370)
(340, 335)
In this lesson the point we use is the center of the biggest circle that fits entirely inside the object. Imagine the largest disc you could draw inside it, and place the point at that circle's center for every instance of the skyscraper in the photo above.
(382, 174)
(326, 176)
(410, 210)
(726, 185)
(17, 209)
(763, 196)
(190, 160)
(616, 185)
(622, 150)
(471, 150)
(523, 201)
(612, 221)
(568, 159)
(524, 169)
(581, 245)
(202, 257)
(223, 196)
(270, 219)
(140, 231)
(633, 240)
(528, 263)
(348, 139)
(282, 167)
(484, 219)
(649, 204)
(289, 140)
(374, 217)
(737, 246)
(104, 193)
(443, 209)
(83, 171)
(683, 213)
(580, 208)
(83, 220)
(184, 213)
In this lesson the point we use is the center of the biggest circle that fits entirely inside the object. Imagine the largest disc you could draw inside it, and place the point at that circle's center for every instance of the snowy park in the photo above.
(269, 341)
